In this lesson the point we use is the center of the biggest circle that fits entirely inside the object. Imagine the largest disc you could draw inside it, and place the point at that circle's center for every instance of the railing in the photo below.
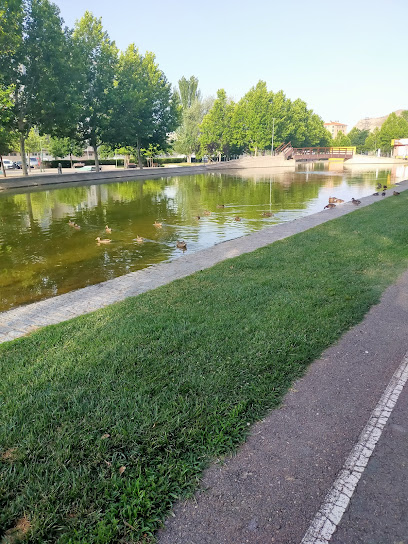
(319, 153)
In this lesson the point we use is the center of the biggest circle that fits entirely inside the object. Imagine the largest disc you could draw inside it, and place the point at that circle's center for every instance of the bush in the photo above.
(87, 162)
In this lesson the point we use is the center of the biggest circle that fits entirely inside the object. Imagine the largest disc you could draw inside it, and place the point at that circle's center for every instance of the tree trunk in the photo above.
(139, 156)
(95, 148)
(2, 166)
(70, 158)
(189, 158)
(23, 155)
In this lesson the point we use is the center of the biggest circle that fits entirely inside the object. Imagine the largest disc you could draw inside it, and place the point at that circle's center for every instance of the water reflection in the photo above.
(41, 255)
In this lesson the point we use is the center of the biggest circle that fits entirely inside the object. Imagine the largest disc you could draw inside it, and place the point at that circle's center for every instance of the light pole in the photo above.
(273, 133)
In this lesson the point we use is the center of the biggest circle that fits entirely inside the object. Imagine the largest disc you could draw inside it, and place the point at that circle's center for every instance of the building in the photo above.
(400, 148)
(334, 127)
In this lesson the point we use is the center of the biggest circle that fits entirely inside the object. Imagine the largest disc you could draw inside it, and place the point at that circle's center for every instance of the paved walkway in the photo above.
(24, 319)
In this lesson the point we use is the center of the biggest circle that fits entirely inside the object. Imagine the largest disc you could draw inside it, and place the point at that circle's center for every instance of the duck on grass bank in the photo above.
(181, 244)
(396, 193)
(103, 240)
(330, 206)
(356, 202)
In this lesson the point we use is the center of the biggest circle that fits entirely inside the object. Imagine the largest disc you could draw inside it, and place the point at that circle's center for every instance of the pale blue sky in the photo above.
(346, 59)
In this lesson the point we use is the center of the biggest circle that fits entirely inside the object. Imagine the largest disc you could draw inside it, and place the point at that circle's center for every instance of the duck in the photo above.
(77, 227)
(108, 229)
(385, 187)
(330, 206)
(376, 194)
(207, 212)
(103, 241)
(157, 225)
(379, 185)
(332, 199)
(220, 205)
(354, 201)
(181, 244)
(267, 214)
(237, 218)
(383, 193)
(139, 239)
(71, 223)
(396, 193)
(339, 201)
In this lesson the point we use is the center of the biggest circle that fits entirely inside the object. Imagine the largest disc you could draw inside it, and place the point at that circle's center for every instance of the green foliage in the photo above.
(145, 109)
(114, 388)
(61, 147)
(372, 142)
(188, 90)
(96, 59)
(8, 137)
(358, 138)
(394, 127)
(341, 140)
(187, 139)
(216, 128)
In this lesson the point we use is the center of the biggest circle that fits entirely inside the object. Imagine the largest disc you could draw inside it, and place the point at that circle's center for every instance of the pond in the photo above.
(41, 255)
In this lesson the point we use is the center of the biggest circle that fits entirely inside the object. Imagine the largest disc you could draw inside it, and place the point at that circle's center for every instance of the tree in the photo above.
(372, 142)
(36, 65)
(358, 138)
(61, 147)
(96, 61)
(189, 93)
(254, 112)
(394, 127)
(187, 137)
(216, 133)
(8, 140)
(145, 109)
(341, 140)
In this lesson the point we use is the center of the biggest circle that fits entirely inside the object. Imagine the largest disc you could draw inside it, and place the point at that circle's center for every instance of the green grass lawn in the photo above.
(165, 382)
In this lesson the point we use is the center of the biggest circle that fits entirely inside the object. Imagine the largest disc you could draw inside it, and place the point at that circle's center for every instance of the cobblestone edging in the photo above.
(25, 319)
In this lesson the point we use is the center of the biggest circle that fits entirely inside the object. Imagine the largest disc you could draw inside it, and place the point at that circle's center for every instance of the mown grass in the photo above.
(175, 376)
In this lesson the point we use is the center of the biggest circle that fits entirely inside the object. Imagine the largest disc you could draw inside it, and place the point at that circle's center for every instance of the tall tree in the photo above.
(393, 127)
(187, 137)
(216, 133)
(95, 60)
(36, 65)
(189, 93)
(358, 138)
(145, 109)
(8, 138)
(372, 142)
(341, 140)
(61, 147)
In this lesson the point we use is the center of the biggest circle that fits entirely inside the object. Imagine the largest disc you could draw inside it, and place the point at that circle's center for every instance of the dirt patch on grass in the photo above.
(17, 533)
(9, 455)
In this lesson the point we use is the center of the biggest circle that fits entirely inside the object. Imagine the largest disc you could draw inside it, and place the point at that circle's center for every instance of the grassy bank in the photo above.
(107, 419)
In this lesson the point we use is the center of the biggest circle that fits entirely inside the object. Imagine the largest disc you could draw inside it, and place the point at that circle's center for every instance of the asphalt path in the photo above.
(272, 489)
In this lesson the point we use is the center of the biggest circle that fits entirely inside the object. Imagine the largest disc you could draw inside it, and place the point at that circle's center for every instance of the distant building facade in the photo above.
(335, 127)
(400, 148)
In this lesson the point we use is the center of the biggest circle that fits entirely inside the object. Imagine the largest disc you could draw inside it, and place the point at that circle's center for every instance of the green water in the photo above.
(42, 256)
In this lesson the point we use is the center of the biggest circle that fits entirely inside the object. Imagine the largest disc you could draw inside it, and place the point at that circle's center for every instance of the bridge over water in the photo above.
(314, 153)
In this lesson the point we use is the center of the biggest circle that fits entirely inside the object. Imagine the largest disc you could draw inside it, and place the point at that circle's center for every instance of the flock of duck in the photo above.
(181, 244)
(333, 200)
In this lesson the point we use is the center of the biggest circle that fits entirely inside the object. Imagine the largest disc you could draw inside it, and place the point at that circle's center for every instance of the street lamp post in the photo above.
(273, 133)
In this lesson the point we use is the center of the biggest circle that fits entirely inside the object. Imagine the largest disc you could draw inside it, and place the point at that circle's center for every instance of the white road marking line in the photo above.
(336, 502)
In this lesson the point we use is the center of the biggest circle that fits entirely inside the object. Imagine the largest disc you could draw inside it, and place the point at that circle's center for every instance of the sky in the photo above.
(347, 60)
